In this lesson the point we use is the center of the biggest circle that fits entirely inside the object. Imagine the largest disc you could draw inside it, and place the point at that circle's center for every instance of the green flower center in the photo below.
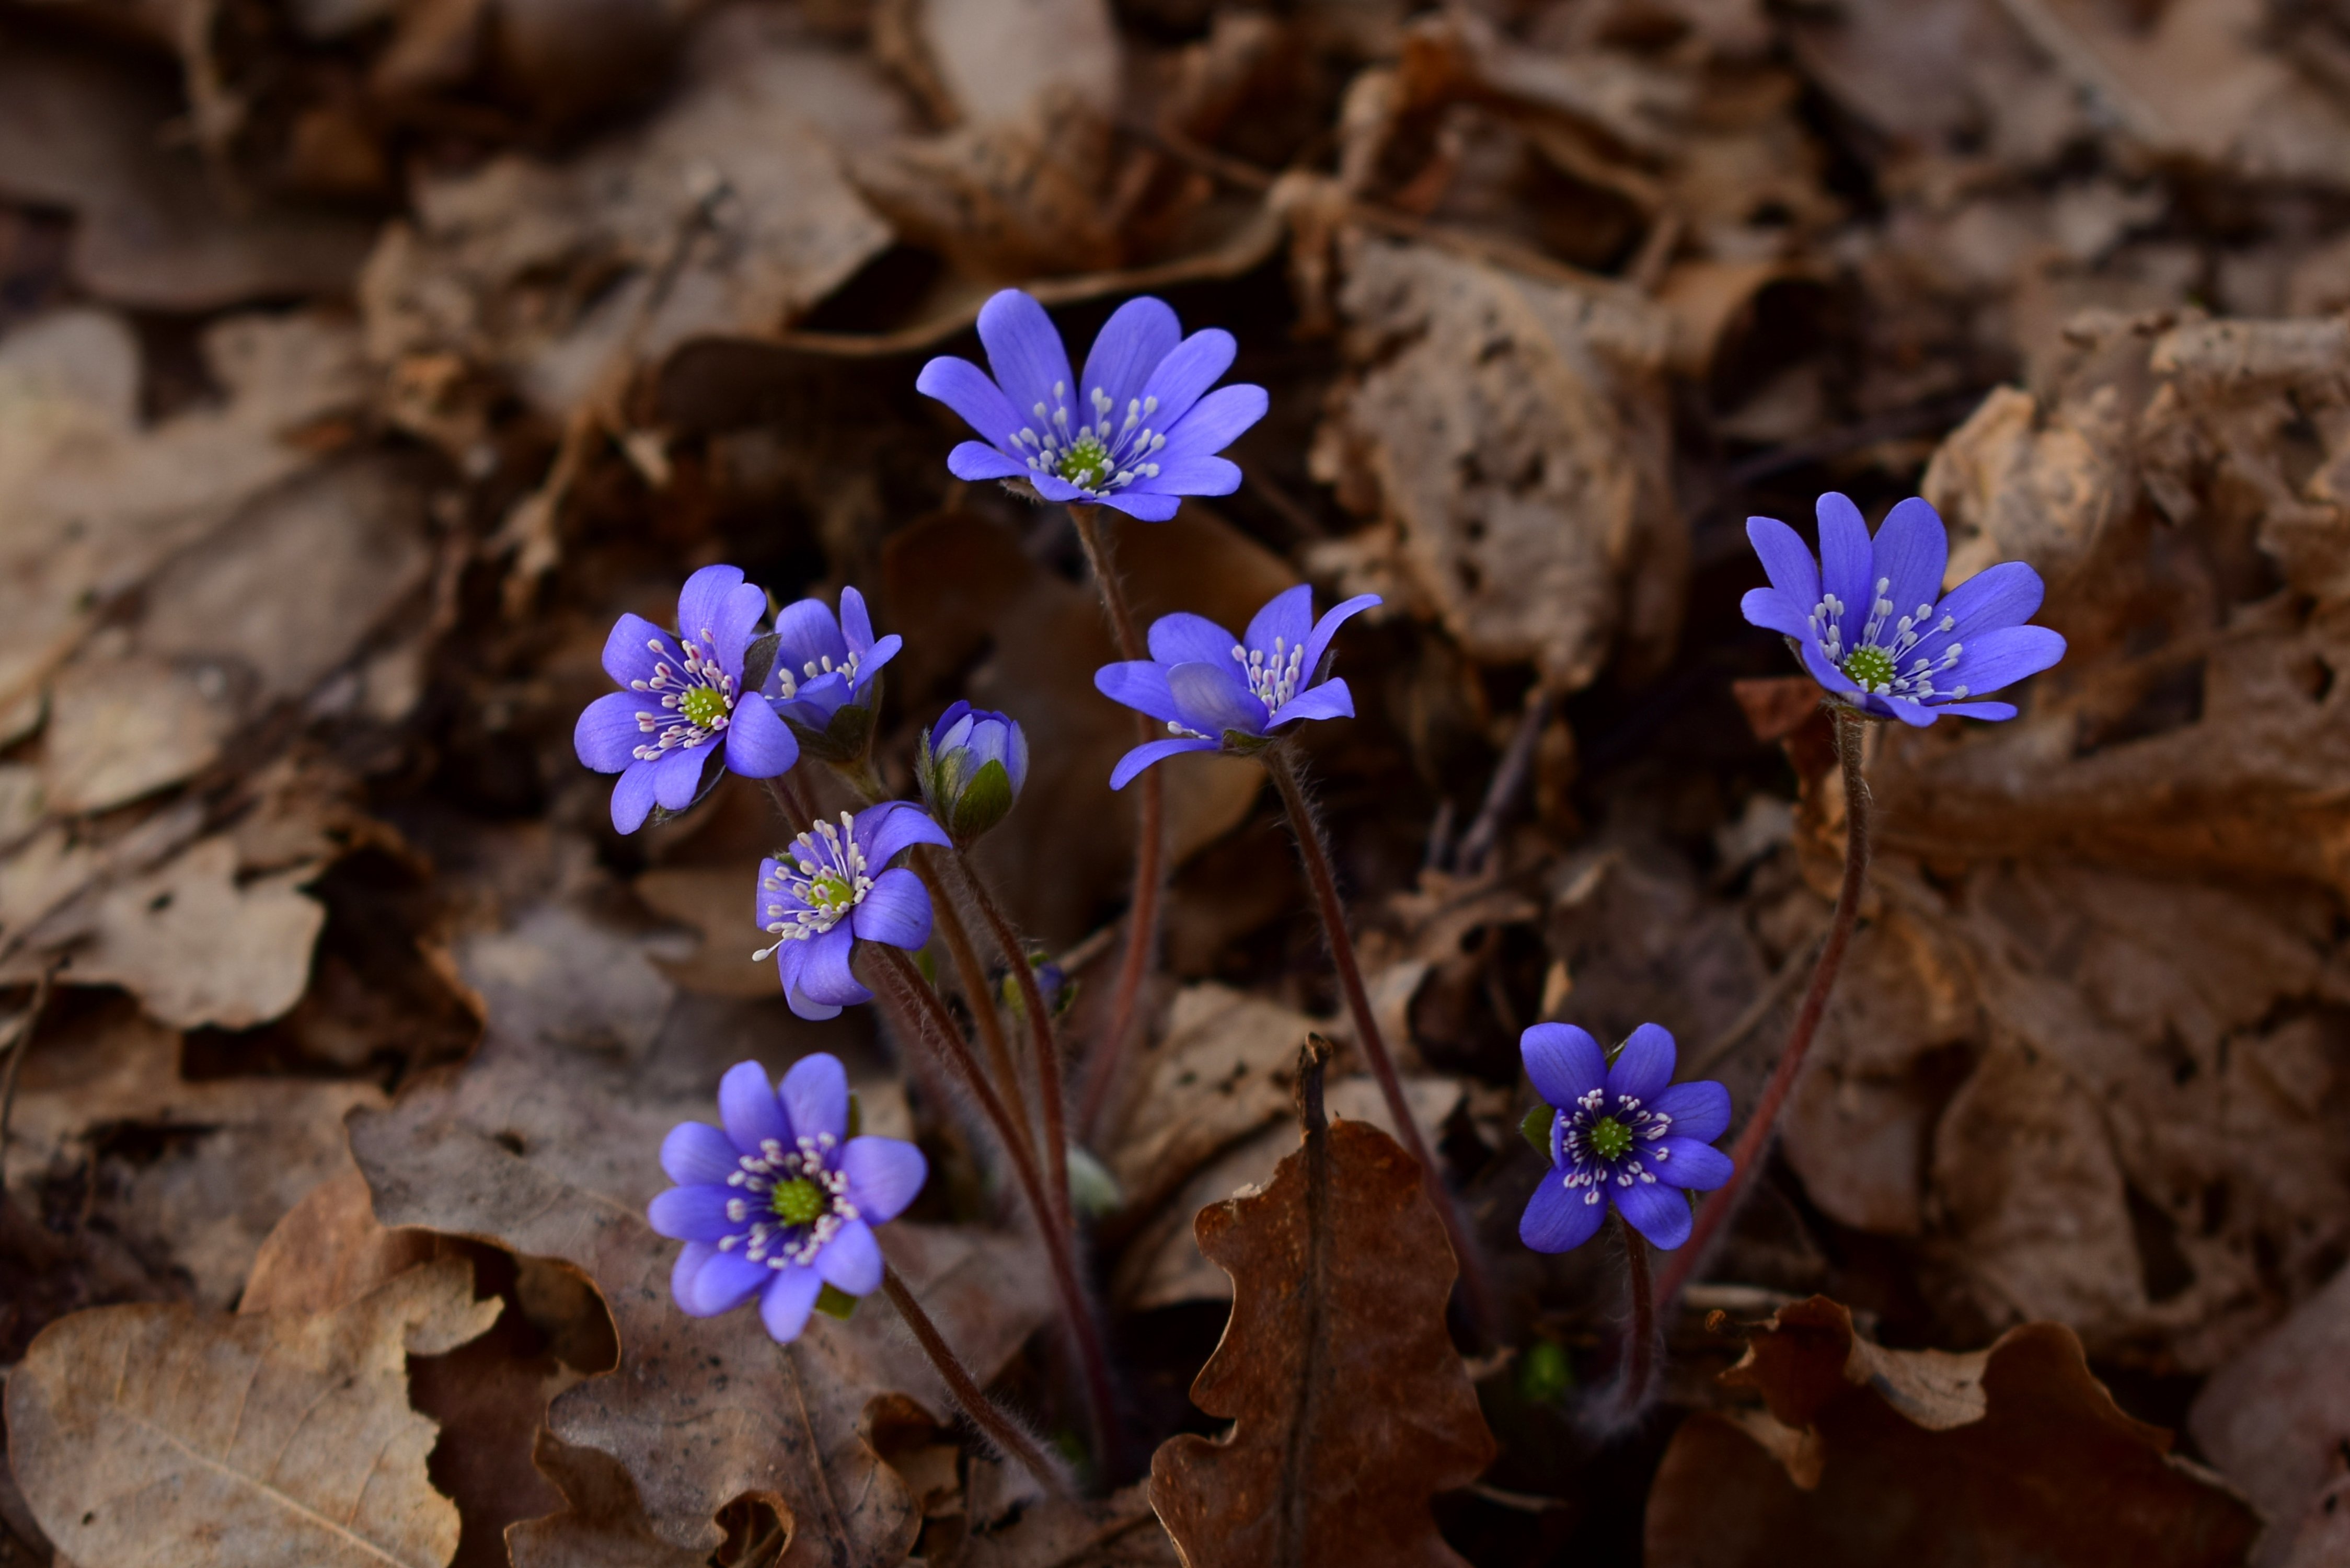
(1086, 462)
(831, 892)
(1610, 1137)
(702, 706)
(1869, 668)
(798, 1202)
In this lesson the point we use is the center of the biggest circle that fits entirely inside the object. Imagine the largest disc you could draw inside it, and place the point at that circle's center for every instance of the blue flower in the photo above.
(837, 889)
(971, 766)
(1626, 1131)
(684, 691)
(1872, 625)
(1217, 693)
(822, 680)
(783, 1202)
(1139, 431)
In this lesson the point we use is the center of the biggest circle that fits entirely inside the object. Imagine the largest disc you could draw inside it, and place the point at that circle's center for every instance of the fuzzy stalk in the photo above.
(1753, 1142)
(971, 976)
(999, 1428)
(1150, 849)
(1475, 1289)
(1640, 1337)
(1041, 1035)
(907, 982)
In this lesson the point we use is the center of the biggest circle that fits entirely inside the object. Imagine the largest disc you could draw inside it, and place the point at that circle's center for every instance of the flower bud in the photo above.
(971, 766)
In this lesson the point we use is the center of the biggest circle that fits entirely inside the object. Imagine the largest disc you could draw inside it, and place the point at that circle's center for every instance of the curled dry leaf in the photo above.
(1350, 1408)
(2276, 1418)
(168, 1435)
(1117, 1531)
(1868, 1456)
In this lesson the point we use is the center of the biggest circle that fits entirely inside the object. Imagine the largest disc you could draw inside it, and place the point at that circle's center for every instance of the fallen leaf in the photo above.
(2275, 1418)
(278, 1438)
(1350, 1407)
(1117, 1531)
(1866, 1455)
(199, 948)
(604, 1525)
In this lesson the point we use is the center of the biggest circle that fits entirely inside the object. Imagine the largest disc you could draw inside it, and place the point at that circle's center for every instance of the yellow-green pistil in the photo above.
(1870, 668)
(703, 706)
(798, 1202)
(1086, 462)
(1610, 1137)
(831, 892)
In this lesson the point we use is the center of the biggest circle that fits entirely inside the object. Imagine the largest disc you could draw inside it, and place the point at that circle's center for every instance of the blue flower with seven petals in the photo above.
(837, 888)
(1214, 693)
(783, 1202)
(1870, 621)
(825, 667)
(1139, 431)
(684, 693)
(1625, 1133)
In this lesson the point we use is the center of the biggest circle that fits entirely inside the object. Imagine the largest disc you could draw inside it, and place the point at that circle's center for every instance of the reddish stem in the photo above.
(999, 1427)
(1040, 1031)
(1641, 1342)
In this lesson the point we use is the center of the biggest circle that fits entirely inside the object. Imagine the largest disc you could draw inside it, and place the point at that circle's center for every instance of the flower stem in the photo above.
(999, 1427)
(790, 804)
(908, 983)
(1640, 1338)
(1149, 849)
(971, 976)
(1476, 1293)
(1754, 1139)
(1040, 1031)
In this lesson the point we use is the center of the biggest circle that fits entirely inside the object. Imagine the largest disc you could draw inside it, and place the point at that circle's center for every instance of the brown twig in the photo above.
(1755, 1139)
(1509, 782)
(1040, 1031)
(999, 1428)
(20, 1047)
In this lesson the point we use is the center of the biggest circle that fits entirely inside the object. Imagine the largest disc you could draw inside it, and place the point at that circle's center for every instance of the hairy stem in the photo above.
(970, 978)
(947, 1040)
(790, 804)
(1040, 1031)
(1150, 849)
(1477, 1294)
(999, 1428)
(1754, 1140)
(1640, 1338)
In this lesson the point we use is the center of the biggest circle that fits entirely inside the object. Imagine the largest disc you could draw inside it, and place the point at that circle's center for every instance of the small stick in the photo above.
(999, 1427)
(1754, 1139)
(1509, 781)
(1040, 1031)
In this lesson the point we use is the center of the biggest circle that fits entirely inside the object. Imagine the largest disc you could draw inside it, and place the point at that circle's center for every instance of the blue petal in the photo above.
(1317, 642)
(1560, 1218)
(824, 976)
(881, 652)
(2002, 658)
(634, 646)
(1212, 699)
(1213, 424)
(789, 1298)
(1563, 1061)
(1786, 561)
(1150, 752)
(896, 911)
(1289, 616)
(1331, 700)
(1684, 1162)
(1191, 370)
(1993, 711)
(693, 1213)
(1053, 487)
(888, 830)
(1699, 1110)
(748, 1104)
(1188, 476)
(758, 745)
(678, 775)
(1917, 715)
(1644, 1067)
(1148, 506)
(1139, 684)
(1911, 549)
(1024, 350)
(632, 797)
(1183, 638)
(1138, 336)
(1655, 1210)
(718, 609)
(792, 961)
(884, 1175)
(851, 1261)
(807, 633)
(976, 461)
(1844, 560)
(816, 1097)
(1771, 609)
(696, 1153)
(1826, 674)
(691, 1259)
(723, 1283)
(607, 736)
(2004, 595)
(856, 625)
(965, 388)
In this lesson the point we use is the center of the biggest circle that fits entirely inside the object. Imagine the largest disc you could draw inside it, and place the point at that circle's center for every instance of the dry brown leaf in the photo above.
(1512, 438)
(2275, 1418)
(1350, 1407)
(1117, 1531)
(166, 1435)
(605, 1525)
(1868, 1456)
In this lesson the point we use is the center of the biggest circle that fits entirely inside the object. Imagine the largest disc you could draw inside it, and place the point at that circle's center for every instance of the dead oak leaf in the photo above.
(1868, 1456)
(166, 1435)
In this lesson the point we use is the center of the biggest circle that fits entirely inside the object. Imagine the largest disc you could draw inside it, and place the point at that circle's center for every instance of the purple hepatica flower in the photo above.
(836, 891)
(684, 693)
(1626, 1131)
(1135, 432)
(971, 766)
(825, 668)
(1872, 625)
(1216, 693)
(783, 1202)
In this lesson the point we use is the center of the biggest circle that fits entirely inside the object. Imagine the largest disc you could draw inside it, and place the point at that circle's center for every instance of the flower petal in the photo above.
(1686, 1163)
(607, 736)
(717, 609)
(1917, 715)
(816, 1097)
(2002, 658)
(1786, 561)
(826, 978)
(1699, 1110)
(1560, 1218)
(1024, 350)
(976, 461)
(758, 745)
(1138, 336)
(888, 830)
(692, 1213)
(851, 1261)
(789, 1298)
(1192, 368)
(1774, 610)
(748, 1104)
(807, 633)
(896, 911)
(1331, 700)
(1215, 422)
(1910, 550)
(696, 1152)
(884, 1174)
(1644, 1067)
(1139, 684)
(1150, 752)
(1212, 699)
(1655, 1210)
(856, 625)
(2004, 594)
(967, 389)
(1317, 642)
(632, 797)
(1151, 506)
(1288, 616)
(1184, 638)
(1844, 560)
(1563, 1060)
(723, 1282)
(691, 1259)
(634, 646)
(1993, 711)
(1826, 674)
(678, 776)
(1188, 476)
